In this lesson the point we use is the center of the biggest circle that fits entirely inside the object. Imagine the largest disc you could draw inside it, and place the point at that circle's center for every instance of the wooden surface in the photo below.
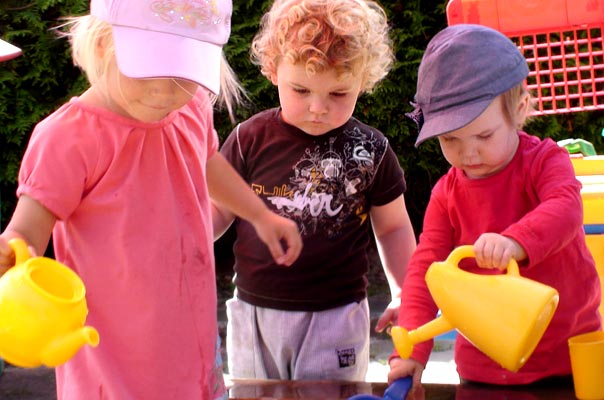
(329, 390)
(39, 384)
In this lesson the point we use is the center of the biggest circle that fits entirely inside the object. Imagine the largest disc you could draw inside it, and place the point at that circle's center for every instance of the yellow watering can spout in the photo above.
(64, 348)
(405, 340)
(504, 315)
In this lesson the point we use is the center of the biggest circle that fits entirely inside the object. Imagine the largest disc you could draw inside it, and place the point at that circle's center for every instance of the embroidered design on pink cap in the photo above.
(168, 38)
(191, 12)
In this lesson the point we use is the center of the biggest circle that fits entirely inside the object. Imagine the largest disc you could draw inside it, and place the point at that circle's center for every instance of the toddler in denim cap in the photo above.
(507, 193)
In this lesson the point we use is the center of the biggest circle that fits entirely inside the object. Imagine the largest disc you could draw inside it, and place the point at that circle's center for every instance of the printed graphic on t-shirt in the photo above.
(327, 187)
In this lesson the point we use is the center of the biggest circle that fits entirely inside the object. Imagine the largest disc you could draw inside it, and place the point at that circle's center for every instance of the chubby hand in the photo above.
(493, 250)
(275, 230)
(7, 255)
(389, 316)
(400, 368)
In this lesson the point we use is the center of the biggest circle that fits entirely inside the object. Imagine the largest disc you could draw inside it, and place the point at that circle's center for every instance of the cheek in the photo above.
(183, 98)
(450, 153)
(291, 103)
(343, 110)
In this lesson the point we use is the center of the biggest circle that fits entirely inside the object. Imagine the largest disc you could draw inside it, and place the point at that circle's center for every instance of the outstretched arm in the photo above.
(230, 192)
(31, 222)
(396, 242)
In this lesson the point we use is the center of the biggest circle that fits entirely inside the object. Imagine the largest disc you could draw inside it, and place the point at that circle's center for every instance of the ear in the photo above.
(523, 104)
(273, 78)
(522, 109)
(100, 47)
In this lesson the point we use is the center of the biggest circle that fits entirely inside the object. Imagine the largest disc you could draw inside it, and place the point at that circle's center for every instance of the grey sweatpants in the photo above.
(265, 343)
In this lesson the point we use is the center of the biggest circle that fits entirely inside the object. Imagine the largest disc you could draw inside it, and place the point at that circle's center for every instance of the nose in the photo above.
(162, 87)
(317, 105)
(469, 153)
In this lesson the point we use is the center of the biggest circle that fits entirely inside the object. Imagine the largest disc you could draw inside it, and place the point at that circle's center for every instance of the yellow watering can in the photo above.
(42, 311)
(504, 315)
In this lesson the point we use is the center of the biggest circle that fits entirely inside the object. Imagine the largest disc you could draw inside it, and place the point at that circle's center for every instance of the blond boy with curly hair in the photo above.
(311, 161)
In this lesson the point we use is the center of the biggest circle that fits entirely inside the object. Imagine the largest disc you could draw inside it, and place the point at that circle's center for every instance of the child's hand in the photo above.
(7, 256)
(389, 316)
(274, 230)
(399, 368)
(493, 250)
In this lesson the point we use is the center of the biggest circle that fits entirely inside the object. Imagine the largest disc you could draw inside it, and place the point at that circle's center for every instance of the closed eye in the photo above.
(485, 136)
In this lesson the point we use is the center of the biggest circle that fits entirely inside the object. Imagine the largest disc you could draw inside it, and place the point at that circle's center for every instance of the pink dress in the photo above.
(134, 222)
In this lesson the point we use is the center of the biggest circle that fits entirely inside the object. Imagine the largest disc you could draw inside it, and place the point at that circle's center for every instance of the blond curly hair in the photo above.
(351, 36)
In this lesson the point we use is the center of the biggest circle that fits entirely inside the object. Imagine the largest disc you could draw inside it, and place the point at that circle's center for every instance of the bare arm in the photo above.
(31, 222)
(222, 219)
(396, 242)
(233, 196)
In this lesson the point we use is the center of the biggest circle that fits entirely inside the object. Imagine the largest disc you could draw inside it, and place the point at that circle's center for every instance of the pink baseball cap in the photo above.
(168, 38)
(8, 51)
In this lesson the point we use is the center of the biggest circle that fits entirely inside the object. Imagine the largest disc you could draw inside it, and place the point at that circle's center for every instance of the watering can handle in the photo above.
(467, 251)
(21, 251)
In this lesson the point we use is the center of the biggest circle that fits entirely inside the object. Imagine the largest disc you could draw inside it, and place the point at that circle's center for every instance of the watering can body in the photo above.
(503, 315)
(42, 312)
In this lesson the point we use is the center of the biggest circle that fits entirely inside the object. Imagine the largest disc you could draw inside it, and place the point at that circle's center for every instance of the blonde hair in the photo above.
(87, 34)
(510, 101)
(350, 36)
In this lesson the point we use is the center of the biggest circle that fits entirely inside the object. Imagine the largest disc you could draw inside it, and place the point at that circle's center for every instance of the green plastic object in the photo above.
(578, 146)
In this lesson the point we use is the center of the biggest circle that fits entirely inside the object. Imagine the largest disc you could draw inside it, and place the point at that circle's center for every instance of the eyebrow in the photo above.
(336, 89)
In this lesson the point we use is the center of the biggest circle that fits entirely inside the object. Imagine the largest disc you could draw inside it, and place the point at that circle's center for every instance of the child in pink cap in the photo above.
(123, 177)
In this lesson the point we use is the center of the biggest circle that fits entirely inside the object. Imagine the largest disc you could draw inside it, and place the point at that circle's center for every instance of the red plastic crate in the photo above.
(562, 41)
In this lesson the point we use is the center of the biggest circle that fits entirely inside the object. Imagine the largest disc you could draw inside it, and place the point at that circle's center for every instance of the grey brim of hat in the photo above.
(452, 119)
(465, 67)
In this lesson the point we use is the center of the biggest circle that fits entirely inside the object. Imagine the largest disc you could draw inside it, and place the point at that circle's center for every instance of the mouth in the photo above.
(157, 107)
(473, 166)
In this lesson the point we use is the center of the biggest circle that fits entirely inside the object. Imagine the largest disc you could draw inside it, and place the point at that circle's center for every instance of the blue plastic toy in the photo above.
(396, 391)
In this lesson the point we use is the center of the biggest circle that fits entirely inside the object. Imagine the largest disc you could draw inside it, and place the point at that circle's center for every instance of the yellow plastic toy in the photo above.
(42, 311)
(503, 315)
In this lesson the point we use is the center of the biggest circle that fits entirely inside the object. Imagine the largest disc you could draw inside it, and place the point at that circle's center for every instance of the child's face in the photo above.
(146, 100)
(315, 104)
(483, 147)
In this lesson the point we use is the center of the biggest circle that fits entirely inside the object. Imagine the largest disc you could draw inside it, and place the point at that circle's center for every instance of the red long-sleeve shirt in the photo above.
(536, 201)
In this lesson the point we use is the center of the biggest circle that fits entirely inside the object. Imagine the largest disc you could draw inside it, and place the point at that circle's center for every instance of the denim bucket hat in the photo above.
(463, 69)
